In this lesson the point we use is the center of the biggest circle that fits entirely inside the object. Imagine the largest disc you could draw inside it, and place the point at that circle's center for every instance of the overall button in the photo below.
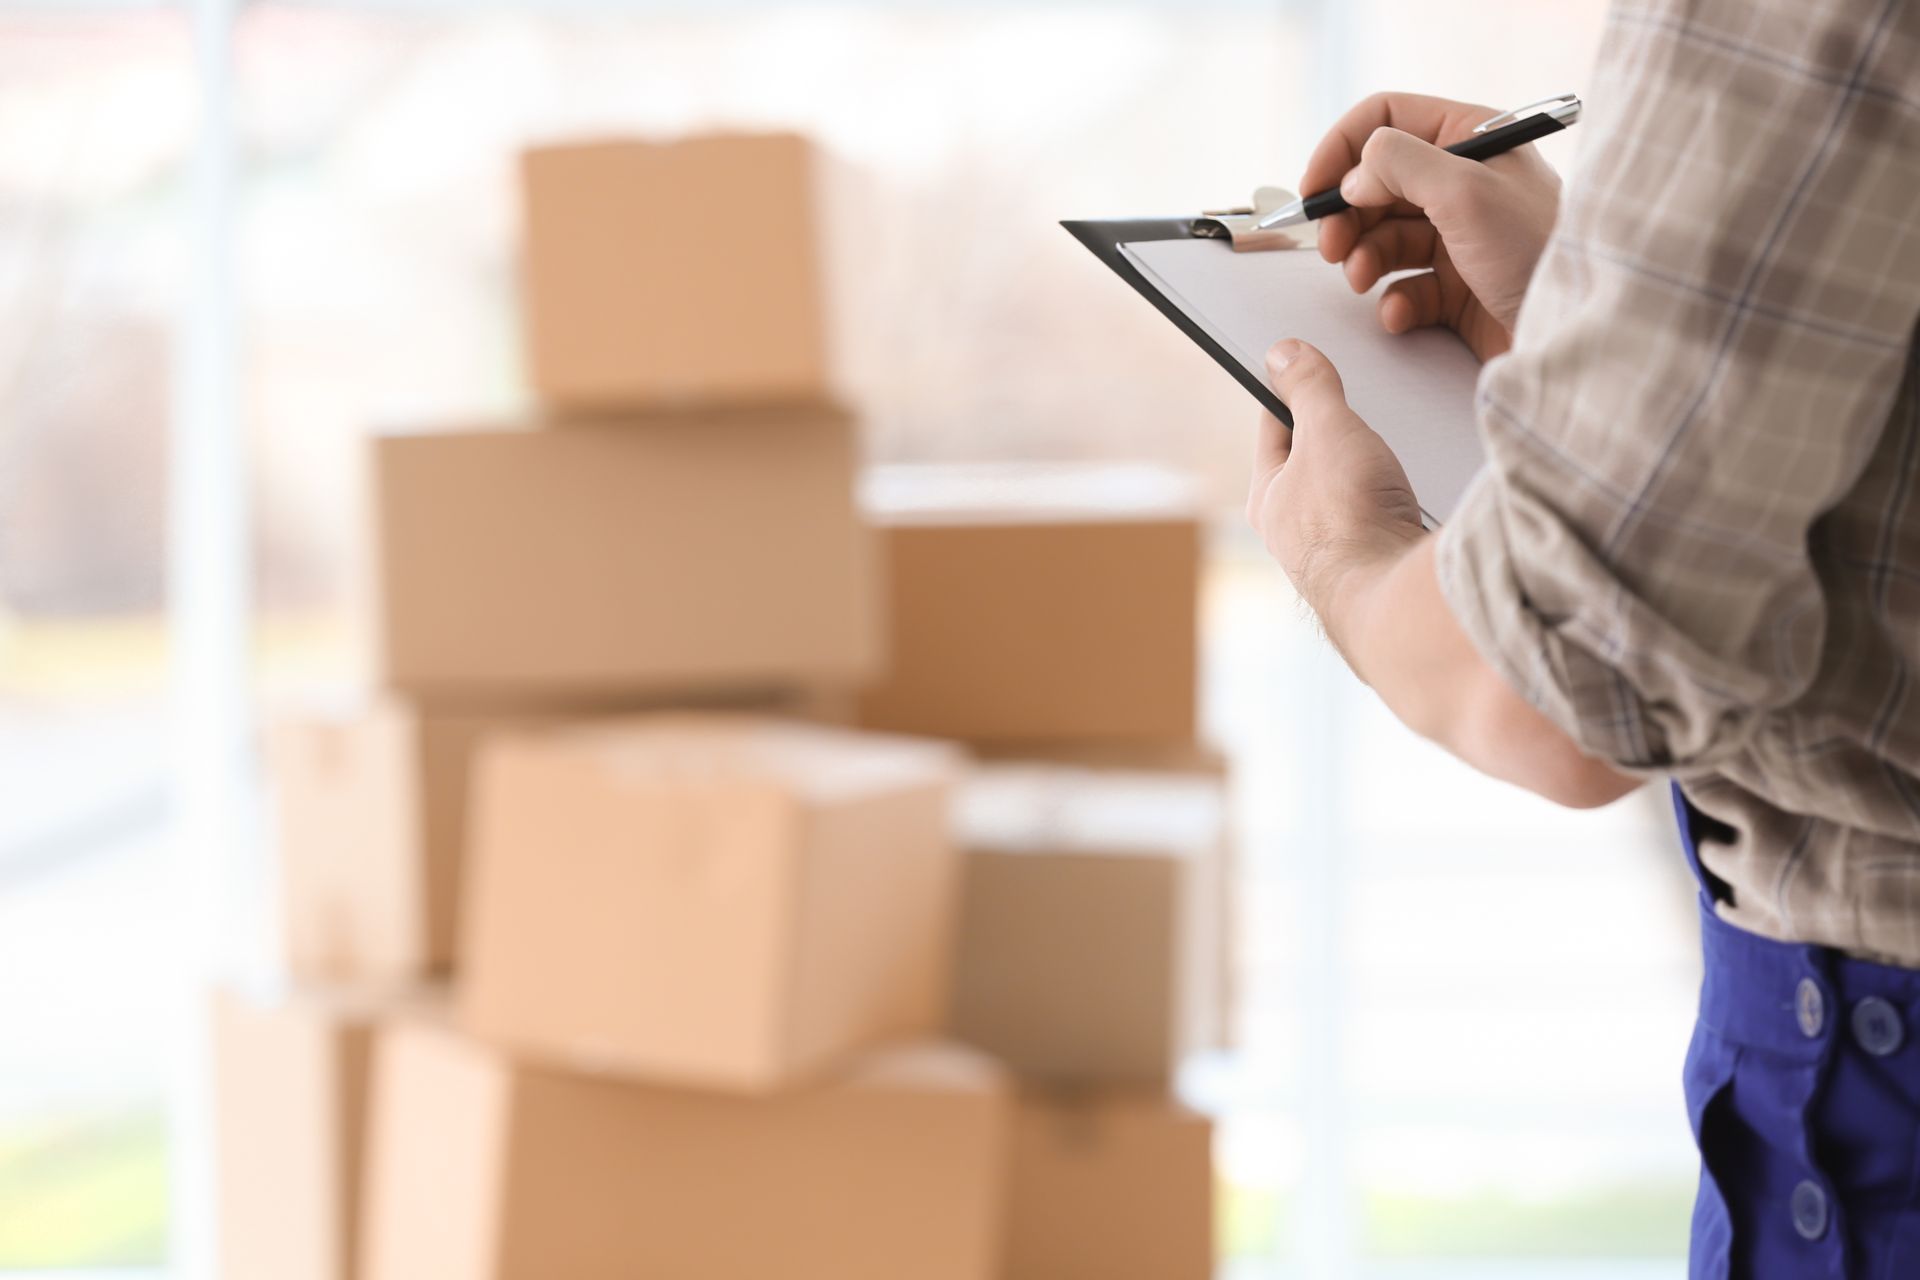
(1809, 1211)
(1877, 1026)
(1810, 1007)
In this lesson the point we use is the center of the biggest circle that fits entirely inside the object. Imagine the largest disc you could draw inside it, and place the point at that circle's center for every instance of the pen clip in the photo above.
(1564, 107)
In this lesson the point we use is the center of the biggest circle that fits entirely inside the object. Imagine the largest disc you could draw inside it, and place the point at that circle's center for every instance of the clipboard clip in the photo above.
(1237, 224)
(1564, 107)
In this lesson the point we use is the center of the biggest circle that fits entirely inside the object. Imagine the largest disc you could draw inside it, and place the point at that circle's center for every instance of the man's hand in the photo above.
(1476, 229)
(1334, 507)
(1329, 498)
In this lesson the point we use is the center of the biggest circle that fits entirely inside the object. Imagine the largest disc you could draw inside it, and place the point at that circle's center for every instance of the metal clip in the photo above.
(1564, 107)
(1237, 225)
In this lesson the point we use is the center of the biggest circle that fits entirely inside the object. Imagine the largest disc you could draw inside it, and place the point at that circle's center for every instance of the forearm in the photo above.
(1386, 614)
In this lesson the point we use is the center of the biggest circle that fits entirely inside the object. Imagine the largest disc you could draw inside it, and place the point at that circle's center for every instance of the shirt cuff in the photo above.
(1554, 623)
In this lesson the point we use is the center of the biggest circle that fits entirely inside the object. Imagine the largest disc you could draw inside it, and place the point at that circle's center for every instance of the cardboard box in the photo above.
(371, 812)
(1090, 947)
(1110, 1186)
(1037, 604)
(707, 552)
(485, 1168)
(674, 273)
(291, 1087)
(371, 809)
(722, 901)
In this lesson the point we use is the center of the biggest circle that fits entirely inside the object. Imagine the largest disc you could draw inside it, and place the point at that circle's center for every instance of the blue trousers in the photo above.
(1803, 1088)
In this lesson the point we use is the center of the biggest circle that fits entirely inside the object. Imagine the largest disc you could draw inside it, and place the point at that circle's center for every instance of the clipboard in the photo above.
(1235, 225)
(1105, 236)
(1234, 290)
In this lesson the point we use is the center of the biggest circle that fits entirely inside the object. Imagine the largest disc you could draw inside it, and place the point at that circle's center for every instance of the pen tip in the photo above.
(1285, 216)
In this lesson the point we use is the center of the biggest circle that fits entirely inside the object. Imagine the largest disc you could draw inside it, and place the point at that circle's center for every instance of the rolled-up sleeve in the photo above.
(1703, 367)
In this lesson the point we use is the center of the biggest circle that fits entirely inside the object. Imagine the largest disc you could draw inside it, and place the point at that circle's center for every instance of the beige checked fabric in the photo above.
(1697, 545)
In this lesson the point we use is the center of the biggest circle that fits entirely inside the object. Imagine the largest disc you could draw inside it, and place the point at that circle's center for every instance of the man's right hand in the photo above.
(1476, 229)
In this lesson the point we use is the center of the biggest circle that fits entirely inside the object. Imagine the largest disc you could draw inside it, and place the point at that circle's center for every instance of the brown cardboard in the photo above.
(487, 1168)
(356, 893)
(1214, 940)
(1090, 946)
(291, 1082)
(1056, 604)
(371, 814)
(707, 552)
(724, 901)
(674, 273)
(1109, 1186)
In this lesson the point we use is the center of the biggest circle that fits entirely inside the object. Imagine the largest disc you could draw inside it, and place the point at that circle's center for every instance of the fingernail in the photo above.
(1350, 185)
(1282, 353)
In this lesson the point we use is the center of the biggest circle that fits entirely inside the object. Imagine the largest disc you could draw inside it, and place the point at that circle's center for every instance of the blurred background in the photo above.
(236, 237)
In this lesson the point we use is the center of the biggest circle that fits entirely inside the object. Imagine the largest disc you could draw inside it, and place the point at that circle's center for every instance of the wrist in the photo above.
(1352, 596)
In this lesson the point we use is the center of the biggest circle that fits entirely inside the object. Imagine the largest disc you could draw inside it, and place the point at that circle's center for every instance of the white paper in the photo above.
(1415, 389)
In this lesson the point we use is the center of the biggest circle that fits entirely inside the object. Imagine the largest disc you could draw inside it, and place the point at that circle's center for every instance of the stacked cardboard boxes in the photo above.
(1048, 615)
(704, 960)
(677, 526)
(1090, 964)
(729, 994)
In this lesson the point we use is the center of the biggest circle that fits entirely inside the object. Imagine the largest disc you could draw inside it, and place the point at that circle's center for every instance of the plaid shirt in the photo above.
(1697, 545)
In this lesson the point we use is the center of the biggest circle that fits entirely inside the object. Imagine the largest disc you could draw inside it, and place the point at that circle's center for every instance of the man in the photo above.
(1695, 551)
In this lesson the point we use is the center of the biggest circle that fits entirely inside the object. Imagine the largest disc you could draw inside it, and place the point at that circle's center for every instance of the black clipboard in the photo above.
(1104, 236)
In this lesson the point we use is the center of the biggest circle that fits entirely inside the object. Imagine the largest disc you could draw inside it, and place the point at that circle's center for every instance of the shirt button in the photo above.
(1877, 1026)
(1809, 1206)
(1810, 1007)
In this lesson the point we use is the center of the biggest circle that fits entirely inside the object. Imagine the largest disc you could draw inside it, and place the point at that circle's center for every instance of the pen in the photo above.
(1490, 138)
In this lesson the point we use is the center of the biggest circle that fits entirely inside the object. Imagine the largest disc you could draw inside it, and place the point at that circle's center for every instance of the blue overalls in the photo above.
(1803, 1086)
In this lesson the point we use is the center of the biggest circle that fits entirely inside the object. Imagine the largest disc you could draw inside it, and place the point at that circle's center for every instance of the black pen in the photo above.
(1491, 138)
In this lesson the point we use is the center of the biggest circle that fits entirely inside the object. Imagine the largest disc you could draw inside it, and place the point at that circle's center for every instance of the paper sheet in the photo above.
(1415, 389)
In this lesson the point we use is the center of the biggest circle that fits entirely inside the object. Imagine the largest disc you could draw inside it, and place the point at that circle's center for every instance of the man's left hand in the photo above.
(1337, 512)
(1329, 497)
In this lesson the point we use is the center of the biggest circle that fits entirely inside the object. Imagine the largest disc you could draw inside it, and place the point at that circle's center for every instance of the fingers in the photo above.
(1440, 121)
(1435, 119)
(1309, 385)
(1338, 233)
(1412, 302)
(1395, 244)
(1271, 447)
(1399, 169)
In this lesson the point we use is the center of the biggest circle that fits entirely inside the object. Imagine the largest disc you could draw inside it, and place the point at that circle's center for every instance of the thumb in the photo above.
(1396, 166)
(1309, 385)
